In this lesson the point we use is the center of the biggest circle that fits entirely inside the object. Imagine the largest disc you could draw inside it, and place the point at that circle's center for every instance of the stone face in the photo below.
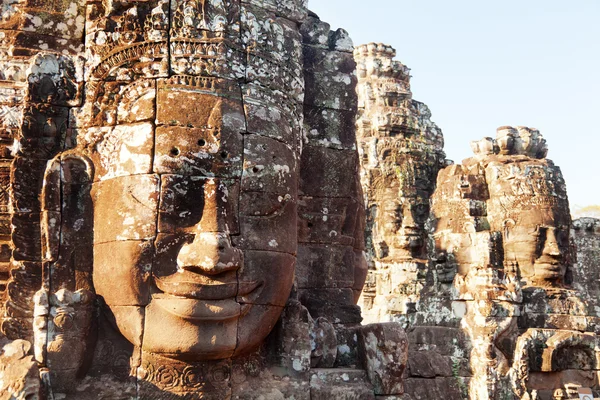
(165, 220)
(401, 151)
(502, 272)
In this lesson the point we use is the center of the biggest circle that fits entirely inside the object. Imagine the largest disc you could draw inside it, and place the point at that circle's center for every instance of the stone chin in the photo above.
(171, 334)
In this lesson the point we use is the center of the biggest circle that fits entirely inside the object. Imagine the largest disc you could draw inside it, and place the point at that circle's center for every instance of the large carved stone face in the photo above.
(401, 228)
(539, 246)
(529, 205)
(195, 228)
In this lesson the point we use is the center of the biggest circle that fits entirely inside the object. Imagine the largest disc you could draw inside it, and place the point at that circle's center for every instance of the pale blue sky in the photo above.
(482, 64)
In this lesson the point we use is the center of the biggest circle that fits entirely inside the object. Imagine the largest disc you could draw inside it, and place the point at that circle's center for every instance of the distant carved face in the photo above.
(195, 227)
(402, 226)
(413, 218)
(528, 204)
(445, 269)
(466, 250)
(538, 245)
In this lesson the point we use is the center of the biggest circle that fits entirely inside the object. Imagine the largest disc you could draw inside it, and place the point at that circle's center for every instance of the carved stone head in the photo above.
(538, 243)
(506, 204)
(529, 205)
(195, 178)
(461, 232)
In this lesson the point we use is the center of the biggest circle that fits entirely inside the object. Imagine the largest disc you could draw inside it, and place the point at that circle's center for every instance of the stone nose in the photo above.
(408, 223)
(551, 247)
(210, 253)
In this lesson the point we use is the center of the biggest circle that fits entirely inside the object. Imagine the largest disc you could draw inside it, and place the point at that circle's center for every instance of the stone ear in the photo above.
(67, 326)
(67, 223)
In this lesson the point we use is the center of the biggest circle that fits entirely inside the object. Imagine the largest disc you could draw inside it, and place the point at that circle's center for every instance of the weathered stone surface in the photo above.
(429, 364)
(218, 210)
(335, 305)
(135, 199)
(323, 344)
(325, 266)
(330, 127)
(330, 259)
(401, 151)
(324, 88)
(585, 235)
(65, 337)
(123, 150)
(345, 384)
(422, 389)
(19, 373)
(108, 261)
(270, 114)
(384, 353)
(192, 143)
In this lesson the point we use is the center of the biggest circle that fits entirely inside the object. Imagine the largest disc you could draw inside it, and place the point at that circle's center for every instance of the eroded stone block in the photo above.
(384, 353)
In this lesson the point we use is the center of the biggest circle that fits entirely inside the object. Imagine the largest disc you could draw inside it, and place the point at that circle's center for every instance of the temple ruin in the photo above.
(226, 199)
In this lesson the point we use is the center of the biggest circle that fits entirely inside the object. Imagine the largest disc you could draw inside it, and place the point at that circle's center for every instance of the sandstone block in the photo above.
(383, 350)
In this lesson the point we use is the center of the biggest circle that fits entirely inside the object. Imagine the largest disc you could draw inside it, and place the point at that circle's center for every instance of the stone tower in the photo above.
(401, 152)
